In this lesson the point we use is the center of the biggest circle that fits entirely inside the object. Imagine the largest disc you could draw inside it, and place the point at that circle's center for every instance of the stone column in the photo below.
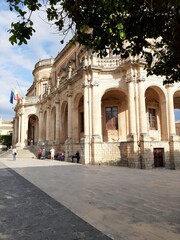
(97, 139)
(173, 146)
(23, 130)
(40, 125)
(69, 95)
(86, 121)
(57, 122)
(96, 113)
(39, 89)
(172, 128)
(69, 72)
(86, 111)
(48, 123)
(19, 130)
(142, 107)
(132, 146)
(131, 107)
(15, 131)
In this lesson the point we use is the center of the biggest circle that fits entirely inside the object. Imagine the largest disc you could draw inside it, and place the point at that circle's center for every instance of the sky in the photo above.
(17, 62)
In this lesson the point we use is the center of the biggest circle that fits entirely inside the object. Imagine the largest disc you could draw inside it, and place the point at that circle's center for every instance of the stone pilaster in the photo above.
(131, 105)
(87, 119)
(40, 125)
(19, 130)
(23, 131)
(172, 128)
(48, 124)
(57, 121)
(69, 95)
(142, 107)
(15, 131)
(96, 137)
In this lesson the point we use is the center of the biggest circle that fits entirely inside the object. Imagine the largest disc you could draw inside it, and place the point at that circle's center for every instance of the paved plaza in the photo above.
(44, 199)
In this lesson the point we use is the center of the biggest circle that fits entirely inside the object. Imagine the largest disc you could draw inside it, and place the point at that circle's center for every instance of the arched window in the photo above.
(112, 118)
(152, 119)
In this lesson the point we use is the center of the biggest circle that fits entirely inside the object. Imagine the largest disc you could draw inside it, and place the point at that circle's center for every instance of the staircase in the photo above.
(28, 152)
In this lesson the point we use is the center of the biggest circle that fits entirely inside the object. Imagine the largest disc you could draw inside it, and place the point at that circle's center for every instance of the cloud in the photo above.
(17, 62)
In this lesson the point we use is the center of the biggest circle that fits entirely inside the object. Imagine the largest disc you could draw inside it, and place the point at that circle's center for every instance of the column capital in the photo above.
(169, 85)
(129, 80)
(69, 93)
(48, 107)
(141, 80)
(95, 83)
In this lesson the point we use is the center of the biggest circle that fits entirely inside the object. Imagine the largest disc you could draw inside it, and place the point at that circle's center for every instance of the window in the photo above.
(111, 118)
(44, 87)
(152, 119)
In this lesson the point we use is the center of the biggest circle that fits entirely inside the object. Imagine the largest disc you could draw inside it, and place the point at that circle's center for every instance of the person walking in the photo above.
(14, 153)
(77, 155)
(39, 153)
(43, 154)
(52, 151)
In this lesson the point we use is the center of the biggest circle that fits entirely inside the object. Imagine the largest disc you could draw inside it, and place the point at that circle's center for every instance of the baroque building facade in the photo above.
(107, 109)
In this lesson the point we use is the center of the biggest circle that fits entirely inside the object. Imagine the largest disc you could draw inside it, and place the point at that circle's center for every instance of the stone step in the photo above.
(21, 153)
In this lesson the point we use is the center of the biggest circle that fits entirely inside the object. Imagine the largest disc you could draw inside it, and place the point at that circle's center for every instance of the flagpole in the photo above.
(20, 88)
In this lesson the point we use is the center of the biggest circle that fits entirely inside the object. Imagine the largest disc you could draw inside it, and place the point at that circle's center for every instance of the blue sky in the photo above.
(17, 62)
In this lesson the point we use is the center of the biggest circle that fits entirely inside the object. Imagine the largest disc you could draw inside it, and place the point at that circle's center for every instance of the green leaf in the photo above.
(122, 35)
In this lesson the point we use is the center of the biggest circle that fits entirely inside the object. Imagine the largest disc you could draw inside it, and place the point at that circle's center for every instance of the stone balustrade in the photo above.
(108, 63)
(30, 100)
(44, 62)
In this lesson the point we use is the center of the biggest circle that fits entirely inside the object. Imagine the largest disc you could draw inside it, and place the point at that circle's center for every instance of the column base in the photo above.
(96, 138)
(132, 137)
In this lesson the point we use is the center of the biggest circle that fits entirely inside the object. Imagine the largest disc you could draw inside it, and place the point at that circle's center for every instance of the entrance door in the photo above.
(158, 157)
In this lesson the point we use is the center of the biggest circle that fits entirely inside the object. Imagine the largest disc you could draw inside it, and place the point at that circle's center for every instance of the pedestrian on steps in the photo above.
(52, 151)
(14, 153)
(39, 153)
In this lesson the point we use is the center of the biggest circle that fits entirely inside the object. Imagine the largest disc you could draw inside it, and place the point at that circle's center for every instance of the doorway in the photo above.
(158, 157)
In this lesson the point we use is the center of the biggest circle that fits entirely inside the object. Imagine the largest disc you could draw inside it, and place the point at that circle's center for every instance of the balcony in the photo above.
(105, 63)
(29, 100)
(44, 62)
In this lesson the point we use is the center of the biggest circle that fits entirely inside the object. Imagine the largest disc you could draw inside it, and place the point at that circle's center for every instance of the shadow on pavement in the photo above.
(28, 213)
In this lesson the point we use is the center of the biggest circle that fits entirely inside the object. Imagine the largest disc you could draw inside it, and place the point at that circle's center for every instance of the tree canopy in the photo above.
(147, 28)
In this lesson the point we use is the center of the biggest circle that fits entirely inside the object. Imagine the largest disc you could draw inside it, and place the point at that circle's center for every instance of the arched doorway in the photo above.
(78, 117)
(33, 130)
(156, 113)
(114, 116)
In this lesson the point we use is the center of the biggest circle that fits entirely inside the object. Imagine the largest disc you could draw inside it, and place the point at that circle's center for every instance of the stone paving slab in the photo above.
(123, 203)
(27, 213)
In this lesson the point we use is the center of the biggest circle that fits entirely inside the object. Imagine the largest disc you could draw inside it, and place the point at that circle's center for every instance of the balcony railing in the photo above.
(45, 62)
(30, 100)
(106, 63)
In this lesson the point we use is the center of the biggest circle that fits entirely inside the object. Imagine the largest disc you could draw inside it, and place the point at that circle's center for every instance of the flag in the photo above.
(11, 96)
(16, 95)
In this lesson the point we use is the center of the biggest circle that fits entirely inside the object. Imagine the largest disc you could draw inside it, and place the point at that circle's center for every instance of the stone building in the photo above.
(107, 109)
(6, 127)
